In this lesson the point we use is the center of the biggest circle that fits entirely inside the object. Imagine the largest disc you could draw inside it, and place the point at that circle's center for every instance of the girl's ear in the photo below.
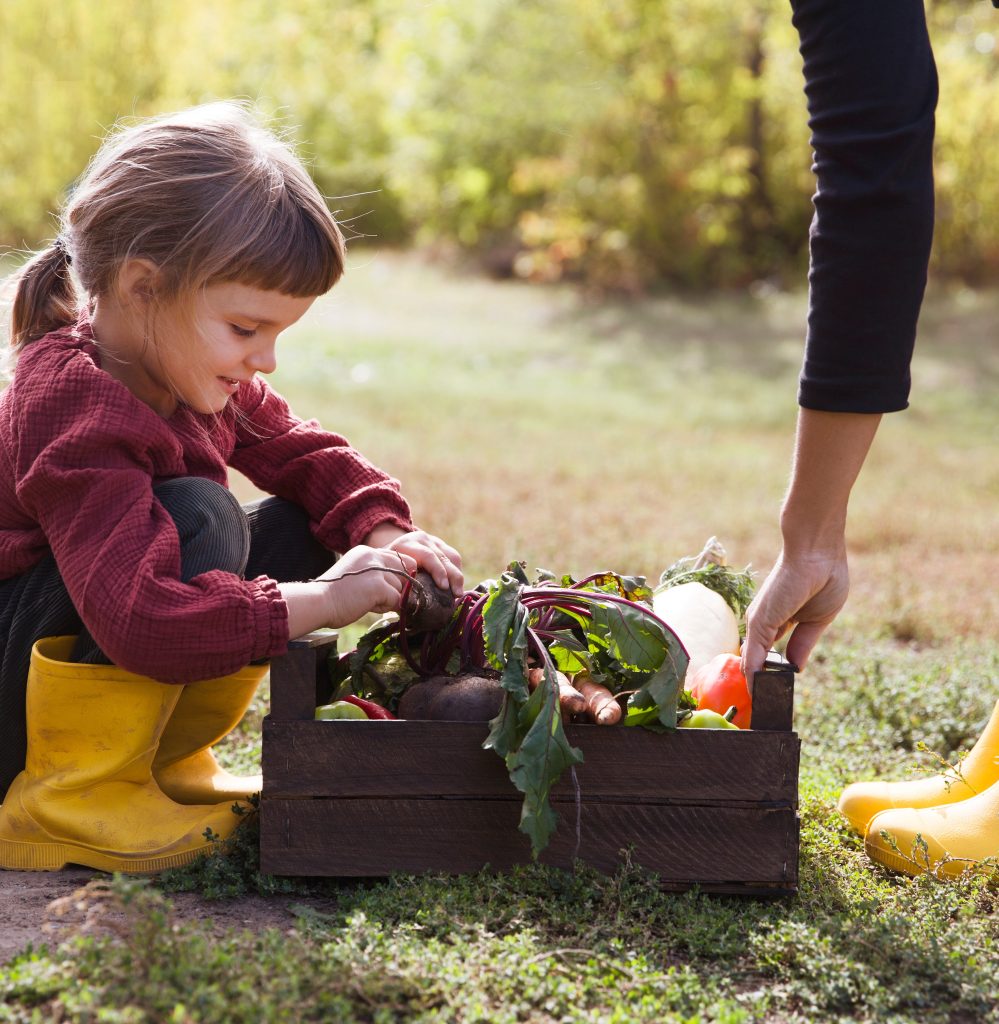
(137, 282)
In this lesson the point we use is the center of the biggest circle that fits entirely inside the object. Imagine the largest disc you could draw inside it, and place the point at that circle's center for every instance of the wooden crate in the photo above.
(711, 808)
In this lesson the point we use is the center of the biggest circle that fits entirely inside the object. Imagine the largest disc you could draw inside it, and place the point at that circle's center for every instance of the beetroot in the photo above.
(427, 606)
(416, 701)
(463, 698)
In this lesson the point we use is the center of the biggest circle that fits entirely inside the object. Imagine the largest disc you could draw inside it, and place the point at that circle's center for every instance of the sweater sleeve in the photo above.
(345, 495)
(84, 466)
(871, 86)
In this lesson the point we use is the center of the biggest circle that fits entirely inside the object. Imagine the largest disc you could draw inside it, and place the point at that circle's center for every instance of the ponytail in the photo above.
(44, 298)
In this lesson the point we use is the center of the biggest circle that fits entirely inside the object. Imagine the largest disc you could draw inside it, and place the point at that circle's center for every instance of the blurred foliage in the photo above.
(619, 142)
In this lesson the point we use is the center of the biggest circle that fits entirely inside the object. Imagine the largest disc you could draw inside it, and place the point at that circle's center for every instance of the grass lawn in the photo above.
(532, 424)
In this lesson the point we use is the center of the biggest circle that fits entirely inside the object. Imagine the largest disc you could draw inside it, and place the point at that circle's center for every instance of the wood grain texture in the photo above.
(318, 638)
(705, 846)
(773, 699)
(392, 759)
(297, 677)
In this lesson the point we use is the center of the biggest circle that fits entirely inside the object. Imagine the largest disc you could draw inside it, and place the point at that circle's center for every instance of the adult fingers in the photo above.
(802, 641)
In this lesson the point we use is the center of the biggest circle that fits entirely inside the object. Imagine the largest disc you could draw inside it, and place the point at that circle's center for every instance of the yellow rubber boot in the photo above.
(86, 795)
(185, 767)
(860, 801)
(947, 840)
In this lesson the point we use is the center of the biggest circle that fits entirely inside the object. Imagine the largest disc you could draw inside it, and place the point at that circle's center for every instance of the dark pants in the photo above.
(270, 537)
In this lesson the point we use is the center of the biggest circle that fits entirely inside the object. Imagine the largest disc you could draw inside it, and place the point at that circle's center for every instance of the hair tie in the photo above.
(60, 244)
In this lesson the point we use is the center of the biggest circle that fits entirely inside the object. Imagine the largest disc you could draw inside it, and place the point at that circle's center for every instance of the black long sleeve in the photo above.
(871, 86)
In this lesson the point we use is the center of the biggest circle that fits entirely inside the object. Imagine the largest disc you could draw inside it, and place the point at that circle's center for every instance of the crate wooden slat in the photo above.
(712, 808)
(710, 846)
(303, 759)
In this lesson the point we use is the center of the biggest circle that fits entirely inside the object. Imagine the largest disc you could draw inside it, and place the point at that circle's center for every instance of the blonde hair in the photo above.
(208, 195)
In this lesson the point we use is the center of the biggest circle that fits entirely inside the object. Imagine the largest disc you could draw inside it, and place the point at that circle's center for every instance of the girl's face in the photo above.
(201, 356)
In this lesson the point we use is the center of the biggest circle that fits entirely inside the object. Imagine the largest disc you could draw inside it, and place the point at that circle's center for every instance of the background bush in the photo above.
(621, 142)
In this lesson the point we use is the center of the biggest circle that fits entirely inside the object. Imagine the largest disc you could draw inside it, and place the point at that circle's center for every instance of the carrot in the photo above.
(600, 702)
(570, 700)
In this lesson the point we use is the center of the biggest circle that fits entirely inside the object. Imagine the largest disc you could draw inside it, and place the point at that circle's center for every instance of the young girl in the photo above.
(138, 600)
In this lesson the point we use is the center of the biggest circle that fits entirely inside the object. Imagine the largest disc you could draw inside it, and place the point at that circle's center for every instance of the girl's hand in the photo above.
(430, 553)
(356, 586)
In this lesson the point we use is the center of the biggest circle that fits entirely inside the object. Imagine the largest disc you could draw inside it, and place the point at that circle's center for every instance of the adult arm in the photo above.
(871, 86)
(809, 584)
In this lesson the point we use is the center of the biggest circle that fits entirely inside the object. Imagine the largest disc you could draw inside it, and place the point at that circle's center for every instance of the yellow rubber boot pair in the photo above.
(87, 794)
(945, 824)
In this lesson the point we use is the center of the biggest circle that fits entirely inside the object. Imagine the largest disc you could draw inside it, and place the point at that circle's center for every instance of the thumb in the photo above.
(754, 654)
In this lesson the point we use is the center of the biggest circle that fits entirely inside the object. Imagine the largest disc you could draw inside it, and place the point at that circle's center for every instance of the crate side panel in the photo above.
(293, 685)
(356, 759)
(685, 845)
(773, 699)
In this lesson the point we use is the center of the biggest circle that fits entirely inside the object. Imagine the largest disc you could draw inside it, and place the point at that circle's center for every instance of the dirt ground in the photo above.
(43, 907)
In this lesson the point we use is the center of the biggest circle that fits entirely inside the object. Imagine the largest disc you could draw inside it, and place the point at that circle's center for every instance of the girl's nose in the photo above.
(263, 359)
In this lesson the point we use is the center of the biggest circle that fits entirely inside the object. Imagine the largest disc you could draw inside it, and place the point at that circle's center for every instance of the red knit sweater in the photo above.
(80, 455)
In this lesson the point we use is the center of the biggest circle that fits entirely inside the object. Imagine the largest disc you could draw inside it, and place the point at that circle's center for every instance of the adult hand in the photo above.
(430, 553)
(809, 584)
(802, 595)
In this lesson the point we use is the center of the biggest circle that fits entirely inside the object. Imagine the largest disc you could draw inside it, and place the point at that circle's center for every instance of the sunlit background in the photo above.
(617, 142)
(573, 314)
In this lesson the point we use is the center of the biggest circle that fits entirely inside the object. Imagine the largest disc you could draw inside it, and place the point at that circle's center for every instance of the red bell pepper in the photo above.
(719, 684)
(370, 708)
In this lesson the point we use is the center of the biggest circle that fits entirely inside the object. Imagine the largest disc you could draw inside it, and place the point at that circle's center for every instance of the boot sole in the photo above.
(894, 862)
(16, 856)
(858, 825)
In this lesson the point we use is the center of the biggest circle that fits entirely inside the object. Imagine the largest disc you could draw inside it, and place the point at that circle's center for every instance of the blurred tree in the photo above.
(966, 38)
(617, 142)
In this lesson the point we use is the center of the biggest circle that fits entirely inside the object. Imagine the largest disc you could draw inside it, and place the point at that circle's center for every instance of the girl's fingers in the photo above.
(444, 572)
(455, 577)
(409, 564)
(440, 560)
(449, 552)
(398, 563)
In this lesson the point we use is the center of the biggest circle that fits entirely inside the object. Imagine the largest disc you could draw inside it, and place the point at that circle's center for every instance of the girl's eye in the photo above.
(243, 332)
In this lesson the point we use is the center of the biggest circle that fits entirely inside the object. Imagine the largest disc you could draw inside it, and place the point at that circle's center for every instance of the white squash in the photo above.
(702, 619)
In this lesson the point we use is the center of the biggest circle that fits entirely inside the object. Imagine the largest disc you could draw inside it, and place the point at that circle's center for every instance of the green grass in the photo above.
(527, 423)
